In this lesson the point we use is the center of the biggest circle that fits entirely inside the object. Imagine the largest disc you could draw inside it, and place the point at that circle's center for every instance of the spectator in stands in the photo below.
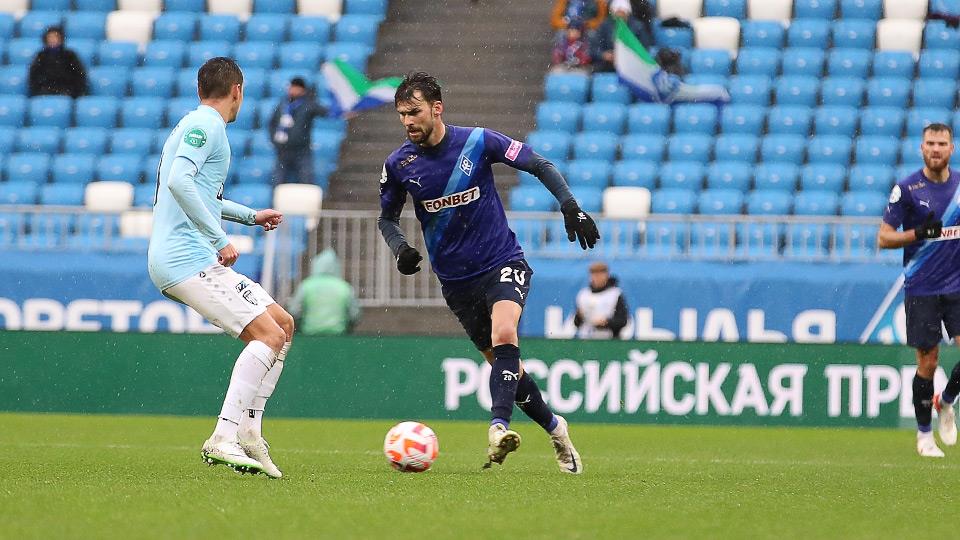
(571, 52)
(289, 129)
(601, 309)
(325, 304)
(592, 12)
(57, 69)
(602, 41)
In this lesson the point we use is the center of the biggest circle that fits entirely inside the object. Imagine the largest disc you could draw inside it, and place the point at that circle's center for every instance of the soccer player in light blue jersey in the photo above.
(190, 257)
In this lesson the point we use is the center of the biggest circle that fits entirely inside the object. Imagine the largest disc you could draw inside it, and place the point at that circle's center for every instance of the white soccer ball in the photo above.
(411, 447)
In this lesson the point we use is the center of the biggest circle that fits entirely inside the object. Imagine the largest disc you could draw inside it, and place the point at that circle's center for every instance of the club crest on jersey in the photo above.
(195, 138)
(454, 199)
(407, 160)
(466, 165)
(513, 150)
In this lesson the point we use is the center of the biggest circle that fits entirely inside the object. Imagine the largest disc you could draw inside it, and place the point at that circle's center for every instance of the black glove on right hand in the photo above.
(931, 228)
(579, 225)
(408, 260)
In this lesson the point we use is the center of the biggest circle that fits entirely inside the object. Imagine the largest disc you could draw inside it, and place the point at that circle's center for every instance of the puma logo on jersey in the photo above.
(510, 376)
(414, 181)
(454, 199)
(924, 203)
(519, 292)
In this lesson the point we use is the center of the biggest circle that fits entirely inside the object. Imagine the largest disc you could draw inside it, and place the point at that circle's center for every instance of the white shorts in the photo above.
(225, 298)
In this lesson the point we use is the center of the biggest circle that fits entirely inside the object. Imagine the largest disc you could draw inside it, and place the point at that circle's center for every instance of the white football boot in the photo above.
(568, 459)
(946, 421)
(229, 453)
(926, 446)
(502, 442)
(259, 449)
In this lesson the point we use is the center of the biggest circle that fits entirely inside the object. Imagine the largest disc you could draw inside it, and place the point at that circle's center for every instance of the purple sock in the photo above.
(504, 377)
(530, 401)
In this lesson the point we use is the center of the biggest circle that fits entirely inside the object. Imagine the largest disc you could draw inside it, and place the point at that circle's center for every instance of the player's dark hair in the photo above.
(938, 127)
(217, 76)
(424, 82)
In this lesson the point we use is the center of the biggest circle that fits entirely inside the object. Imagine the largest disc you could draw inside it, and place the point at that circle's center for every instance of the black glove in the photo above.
(408, 260)
(931, 228)
(579, 225)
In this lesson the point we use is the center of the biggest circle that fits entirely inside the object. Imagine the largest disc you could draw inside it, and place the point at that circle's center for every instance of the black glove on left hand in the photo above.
(579, 225)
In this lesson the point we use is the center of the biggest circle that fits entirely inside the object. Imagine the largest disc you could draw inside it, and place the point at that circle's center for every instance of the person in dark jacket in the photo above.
(56, 69)
(601, 309)
(603, 38)
(289, 130)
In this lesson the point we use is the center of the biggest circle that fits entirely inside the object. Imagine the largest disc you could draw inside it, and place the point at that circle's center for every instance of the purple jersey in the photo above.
(462, 217)
(937, 268)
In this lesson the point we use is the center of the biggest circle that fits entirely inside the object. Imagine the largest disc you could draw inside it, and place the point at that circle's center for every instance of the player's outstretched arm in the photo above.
(184, 191)
(890, 238)
(267, 218)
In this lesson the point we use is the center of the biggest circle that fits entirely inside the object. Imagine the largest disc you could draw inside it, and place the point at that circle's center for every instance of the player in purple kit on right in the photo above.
(484, 277)
(922, 204)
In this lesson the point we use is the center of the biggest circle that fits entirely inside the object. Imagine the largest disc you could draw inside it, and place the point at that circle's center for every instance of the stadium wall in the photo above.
(442, 378)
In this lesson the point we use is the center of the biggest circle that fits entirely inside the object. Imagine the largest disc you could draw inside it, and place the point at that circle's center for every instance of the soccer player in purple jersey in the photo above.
(920, 203)
(446, 170)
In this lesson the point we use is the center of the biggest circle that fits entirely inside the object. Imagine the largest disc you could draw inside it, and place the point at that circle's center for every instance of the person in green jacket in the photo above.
(325, 304)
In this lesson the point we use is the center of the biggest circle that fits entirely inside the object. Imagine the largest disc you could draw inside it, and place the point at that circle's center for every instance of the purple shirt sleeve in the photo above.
(392, 193)
(894, 213)
(503, 149)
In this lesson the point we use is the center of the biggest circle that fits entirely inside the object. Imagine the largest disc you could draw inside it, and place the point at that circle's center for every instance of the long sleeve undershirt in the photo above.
(184, 190)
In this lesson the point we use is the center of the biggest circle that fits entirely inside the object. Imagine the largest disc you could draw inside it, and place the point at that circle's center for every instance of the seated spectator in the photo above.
(56, 69)
(602, 41)
(601, 311)
(592, 12)
(571, 51)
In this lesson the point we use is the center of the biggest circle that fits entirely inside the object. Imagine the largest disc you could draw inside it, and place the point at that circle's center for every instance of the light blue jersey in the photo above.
(189, 204)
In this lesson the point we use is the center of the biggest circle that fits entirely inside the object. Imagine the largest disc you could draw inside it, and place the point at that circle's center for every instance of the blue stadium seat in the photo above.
(566, 87)
(762, 34)
(119, 167)
(355, 54)
(8, 138)
(706, 79)
(862, 203)
(920, 117)
(13, 81)
(697, 118)
(13, 110)
(28, 167)
(354, 28)
(729, 175)
(869, 177)
(893, 64)
(138, 140)
(118, 53)
(531, 199)
(239, 140)
(50, 111)
(166, 53)
(797, 90)
(270, 27)
(725, 8)
(150, 167)
(673, 201)
(86, 25)
(808, 33)
(367, 7)
(108, 81)
(682, 174)
(254, 83)
(807, 241)
(86, 50)
(256, 54)
(260, 145)
(34, 23)
(549, 144)
(829, 149)
(783, 148)
(849, 62)
(673, 37)
(937, 35)
(96, 111)
(20, 192)
(635, 173)
(823, 176)
(604, 117)
(187, 82)
(853, 33)
(606, 87)
(199, 52)
(836, 120)
(253, 196)
(736, 147)
(299, 55)
(219, 28)
(750, 90)
(877, 150)
(266, 108)
(8, 24)
(558, 116)
(255, 170)
(861, 9)
(910, 155)
(757, 61)
(815, 203)
(73, 168)
(143, 194)
(279, 80)
(153, 82)
(745, 119)
(51, 5)
(20, 52)
(690, 147)
(842, 91)
(720, 202)
(712, 62)
(161, 135)
(855, 241)
(769, 202)
(881, 121)
(803, 61)
(888, 92)
(643, 147)
(44, 139)
(325, 143)
(939, 64)
(589, 173)
(815, 9)
(789, 120)
(95, 5)
(596, 145)
(247, 117)
(649, 118)
(175, 26)
(311, 29)
(906, 170)
(274, 6)
(142, 112)
(668, 238)
(934, 92)
(86, 140)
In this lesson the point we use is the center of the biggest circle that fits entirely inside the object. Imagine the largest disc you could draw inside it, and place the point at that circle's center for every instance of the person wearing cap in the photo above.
(56, 69)
(289, 130)
(601, 309)
(601, 44)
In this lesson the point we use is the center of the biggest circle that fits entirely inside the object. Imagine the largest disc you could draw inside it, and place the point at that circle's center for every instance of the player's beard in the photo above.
(936, 165)
(420, 136)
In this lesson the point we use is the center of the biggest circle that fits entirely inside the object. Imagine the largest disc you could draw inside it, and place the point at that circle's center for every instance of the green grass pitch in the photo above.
(71, 476)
